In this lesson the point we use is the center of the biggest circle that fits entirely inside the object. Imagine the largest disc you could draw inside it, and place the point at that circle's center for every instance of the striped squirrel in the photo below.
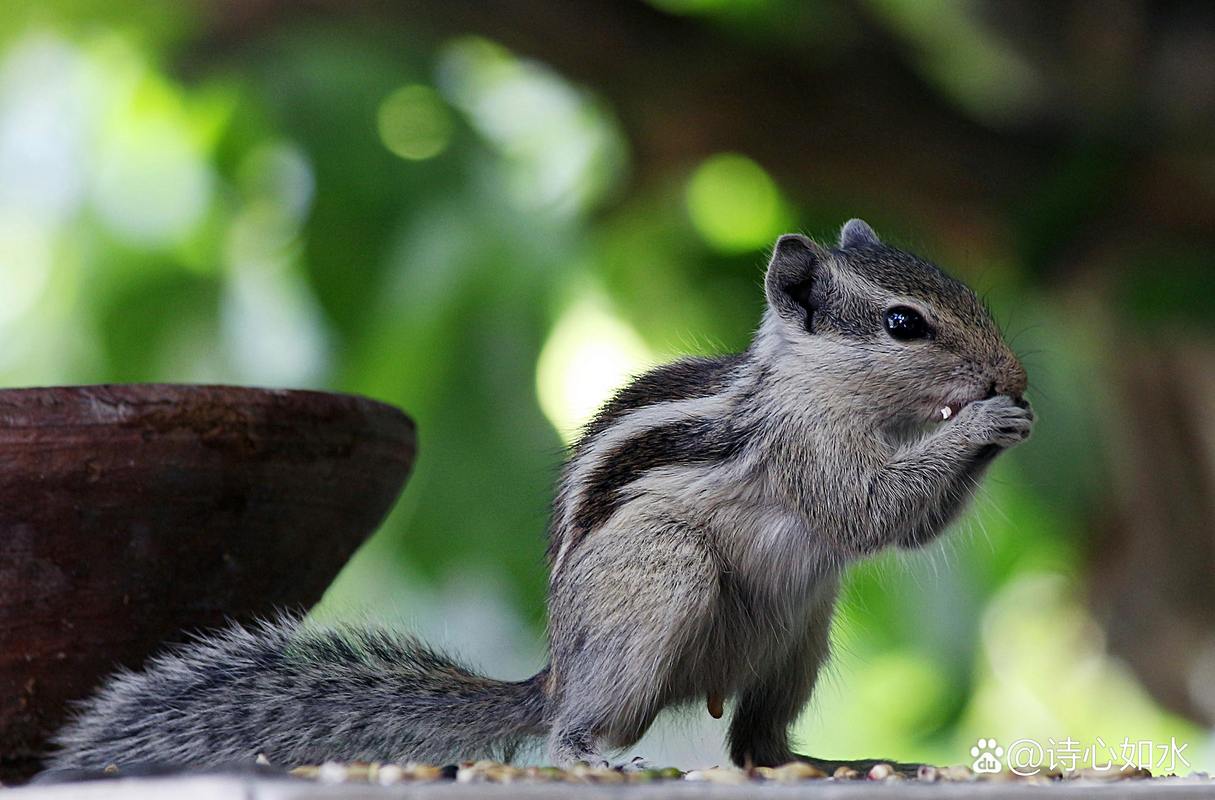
(698, 535)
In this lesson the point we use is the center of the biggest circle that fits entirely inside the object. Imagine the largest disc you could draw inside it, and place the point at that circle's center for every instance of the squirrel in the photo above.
(698, 535)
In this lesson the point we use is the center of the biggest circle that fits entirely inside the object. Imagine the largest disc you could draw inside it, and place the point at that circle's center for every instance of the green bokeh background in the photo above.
(339, 198)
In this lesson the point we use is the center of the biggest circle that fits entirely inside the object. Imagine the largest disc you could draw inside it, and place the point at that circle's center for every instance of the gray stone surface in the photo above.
(233, 788)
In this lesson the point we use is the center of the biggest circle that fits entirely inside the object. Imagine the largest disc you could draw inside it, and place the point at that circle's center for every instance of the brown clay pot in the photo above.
(132, 514)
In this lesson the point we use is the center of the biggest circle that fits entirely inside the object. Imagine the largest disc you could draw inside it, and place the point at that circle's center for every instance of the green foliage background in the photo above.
(456, 229)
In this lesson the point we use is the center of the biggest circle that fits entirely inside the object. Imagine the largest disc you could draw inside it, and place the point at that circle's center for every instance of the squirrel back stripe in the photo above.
(679, 380)
(675, 444)
(592, 453)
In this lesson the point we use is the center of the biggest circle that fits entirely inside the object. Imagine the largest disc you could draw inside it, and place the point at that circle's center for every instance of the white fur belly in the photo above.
(774, 574)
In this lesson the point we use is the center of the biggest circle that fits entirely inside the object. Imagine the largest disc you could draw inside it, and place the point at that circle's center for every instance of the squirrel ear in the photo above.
(857, 233)
(796, 263)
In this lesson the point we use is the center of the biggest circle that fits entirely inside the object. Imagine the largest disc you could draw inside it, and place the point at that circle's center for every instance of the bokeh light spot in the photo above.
(47, 98)
(153, 183)
(280, 174)
(414, 123)
(25, 264)
(589, 354)
(563, 150)
(904, 691)
(734, 204)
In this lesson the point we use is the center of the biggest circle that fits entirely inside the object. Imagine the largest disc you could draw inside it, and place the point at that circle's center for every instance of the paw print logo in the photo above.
(986, 754)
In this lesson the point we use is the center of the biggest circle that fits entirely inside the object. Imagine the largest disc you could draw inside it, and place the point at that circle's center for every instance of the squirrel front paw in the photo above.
(1000, 421)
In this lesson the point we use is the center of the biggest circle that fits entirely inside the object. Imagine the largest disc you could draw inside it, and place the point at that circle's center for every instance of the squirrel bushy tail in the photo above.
(301, 696)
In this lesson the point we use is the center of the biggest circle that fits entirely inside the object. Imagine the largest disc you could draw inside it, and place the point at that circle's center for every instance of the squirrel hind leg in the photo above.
(585, 728)
(627, 612)
(569, 745)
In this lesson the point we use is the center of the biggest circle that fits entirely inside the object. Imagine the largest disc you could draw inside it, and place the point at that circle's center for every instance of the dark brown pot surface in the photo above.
(129, 514)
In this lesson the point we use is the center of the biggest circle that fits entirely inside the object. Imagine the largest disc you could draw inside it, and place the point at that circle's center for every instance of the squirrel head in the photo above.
(899, 335)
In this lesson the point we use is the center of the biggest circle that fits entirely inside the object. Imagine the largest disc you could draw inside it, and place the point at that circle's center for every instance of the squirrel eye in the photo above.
(904, 324)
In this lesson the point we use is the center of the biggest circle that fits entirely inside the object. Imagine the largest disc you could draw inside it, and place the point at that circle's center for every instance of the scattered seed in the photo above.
(717, 775)
(797, 771)
(1126, 773)
(957, 773)
(332, 772)
(880, 772)
(430, 772)
(585, 773)
(357, 771)
(390, 774)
